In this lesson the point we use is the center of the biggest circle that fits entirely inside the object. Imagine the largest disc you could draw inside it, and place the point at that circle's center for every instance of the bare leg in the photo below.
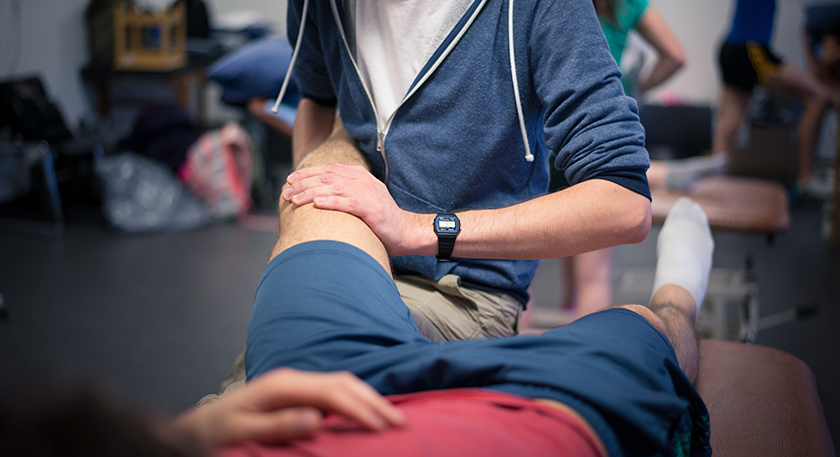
(568, 282)
(733, 105)
(684, 260)
(815, 98)
(673, 312)
(591, 281)
(808, 132)
(307, 223)
(676, 309)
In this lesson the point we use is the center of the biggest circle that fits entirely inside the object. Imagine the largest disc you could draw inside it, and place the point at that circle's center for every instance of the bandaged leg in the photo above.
(684, 259)
(684, 251)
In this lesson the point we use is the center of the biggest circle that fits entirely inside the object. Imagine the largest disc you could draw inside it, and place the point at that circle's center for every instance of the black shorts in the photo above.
(744, 66)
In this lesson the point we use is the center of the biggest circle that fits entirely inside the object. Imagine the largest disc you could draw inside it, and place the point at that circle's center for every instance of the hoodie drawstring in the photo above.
(528, 156)
(276, 107)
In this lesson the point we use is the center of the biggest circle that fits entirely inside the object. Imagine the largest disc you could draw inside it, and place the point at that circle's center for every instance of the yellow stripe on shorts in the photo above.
(763, 67)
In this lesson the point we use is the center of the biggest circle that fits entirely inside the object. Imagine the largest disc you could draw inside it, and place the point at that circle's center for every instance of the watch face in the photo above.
(447, 224)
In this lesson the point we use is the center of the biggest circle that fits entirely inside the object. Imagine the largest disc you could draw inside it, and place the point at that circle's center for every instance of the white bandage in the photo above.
(684, 250)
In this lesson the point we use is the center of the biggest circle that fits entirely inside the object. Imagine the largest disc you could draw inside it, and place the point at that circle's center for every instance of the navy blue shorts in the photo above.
(328, 306)
(744, 66)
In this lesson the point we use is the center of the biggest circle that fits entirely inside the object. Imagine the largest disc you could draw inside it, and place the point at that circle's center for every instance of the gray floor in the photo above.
(161, 317)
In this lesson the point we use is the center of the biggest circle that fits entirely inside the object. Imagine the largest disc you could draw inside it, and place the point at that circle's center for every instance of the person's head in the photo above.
(49, 421)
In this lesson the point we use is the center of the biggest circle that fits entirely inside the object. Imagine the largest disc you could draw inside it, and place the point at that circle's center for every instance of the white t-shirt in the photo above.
(394, 39)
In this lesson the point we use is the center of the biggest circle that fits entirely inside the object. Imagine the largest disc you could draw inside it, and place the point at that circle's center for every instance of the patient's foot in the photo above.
(684, 250)
(683, 173)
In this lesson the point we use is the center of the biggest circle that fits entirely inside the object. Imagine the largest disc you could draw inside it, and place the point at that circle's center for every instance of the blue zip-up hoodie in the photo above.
(455, 143)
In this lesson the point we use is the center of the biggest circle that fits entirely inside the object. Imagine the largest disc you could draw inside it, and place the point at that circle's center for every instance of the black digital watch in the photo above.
(447, 227)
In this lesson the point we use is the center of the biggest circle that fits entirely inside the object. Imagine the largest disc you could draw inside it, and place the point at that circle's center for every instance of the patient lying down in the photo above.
(612, 383)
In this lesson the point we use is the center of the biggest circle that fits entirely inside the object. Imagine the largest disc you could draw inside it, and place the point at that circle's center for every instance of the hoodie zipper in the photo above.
(382, 131)
(380, 135)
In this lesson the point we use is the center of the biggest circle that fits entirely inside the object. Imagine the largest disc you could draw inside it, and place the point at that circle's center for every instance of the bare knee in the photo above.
(316, 158)
(335, 151)
(649, 316)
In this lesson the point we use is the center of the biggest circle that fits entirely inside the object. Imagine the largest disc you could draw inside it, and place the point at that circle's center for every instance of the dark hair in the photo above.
(49, 421)
(606, 9)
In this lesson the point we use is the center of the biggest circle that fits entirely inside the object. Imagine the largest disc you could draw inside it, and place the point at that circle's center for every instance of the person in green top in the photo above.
(617, 21)
(619, 17)
(588, 277)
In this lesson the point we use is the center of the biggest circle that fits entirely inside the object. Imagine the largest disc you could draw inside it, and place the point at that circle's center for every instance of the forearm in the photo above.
(665, 68)
(588, 216)
(591, 215)
(670, 54)
(313, 125)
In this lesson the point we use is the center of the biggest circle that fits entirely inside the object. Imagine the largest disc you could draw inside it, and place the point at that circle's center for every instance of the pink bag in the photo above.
(218, 169)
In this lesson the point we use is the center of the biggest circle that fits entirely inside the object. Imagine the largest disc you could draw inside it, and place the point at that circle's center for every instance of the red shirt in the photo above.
(458, 422)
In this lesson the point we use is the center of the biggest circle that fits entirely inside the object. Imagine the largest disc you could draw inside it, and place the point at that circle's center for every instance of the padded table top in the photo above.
(732, 203)
(761, 401)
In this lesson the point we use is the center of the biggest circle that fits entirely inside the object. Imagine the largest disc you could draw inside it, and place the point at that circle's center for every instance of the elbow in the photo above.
(637, 222)
(680, 62)
(673, 61)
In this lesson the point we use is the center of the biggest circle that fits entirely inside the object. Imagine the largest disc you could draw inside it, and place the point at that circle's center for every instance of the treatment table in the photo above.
(762, 402)
(733, 204)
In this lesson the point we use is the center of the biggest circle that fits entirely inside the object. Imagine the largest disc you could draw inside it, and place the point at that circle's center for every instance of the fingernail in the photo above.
(320, 199)
(293, 177)
(287, 194)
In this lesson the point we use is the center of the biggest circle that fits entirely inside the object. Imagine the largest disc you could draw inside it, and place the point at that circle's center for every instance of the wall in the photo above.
(698, 26)
(271, 11)
(48, 39)
(53, 42)
(701, 25)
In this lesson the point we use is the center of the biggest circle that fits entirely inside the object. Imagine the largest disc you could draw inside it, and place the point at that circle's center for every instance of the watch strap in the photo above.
(446, 244)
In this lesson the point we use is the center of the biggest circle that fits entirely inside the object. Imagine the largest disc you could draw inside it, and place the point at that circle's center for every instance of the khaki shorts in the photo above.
(444, 311)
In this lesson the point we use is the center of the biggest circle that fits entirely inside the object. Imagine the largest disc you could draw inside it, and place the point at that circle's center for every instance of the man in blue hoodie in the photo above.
(460, 108)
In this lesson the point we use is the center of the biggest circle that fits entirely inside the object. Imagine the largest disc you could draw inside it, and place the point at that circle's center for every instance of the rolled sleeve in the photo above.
(590, 125)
